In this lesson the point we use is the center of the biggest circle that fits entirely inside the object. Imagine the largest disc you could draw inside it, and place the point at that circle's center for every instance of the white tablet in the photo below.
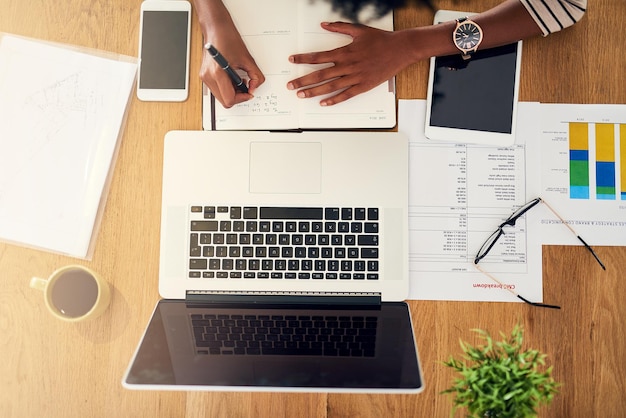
(475, 100)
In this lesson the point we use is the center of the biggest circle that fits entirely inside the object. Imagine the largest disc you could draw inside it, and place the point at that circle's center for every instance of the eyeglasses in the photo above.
(493, 238)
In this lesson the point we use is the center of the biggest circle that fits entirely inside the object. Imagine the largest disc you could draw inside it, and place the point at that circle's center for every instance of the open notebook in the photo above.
(273, 30)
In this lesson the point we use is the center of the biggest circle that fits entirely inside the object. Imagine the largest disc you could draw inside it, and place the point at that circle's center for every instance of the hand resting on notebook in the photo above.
(374, 55)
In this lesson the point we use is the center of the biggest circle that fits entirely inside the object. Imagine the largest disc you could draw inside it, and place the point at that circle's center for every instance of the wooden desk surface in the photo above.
(49, 368)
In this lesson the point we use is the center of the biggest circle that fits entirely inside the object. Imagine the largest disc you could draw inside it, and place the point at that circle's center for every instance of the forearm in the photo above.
(505, 23)
(211, 14)
(374, 55)
(219, 29)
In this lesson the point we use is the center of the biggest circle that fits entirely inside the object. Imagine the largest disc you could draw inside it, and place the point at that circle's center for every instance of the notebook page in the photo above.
(268, 29)
(372, 109)
(275, 29)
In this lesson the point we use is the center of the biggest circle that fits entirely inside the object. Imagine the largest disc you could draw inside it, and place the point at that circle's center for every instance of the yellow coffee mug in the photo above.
(74, 293)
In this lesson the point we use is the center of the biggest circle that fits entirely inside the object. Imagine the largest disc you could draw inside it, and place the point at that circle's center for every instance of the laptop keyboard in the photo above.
(234, 242)
(285, 335)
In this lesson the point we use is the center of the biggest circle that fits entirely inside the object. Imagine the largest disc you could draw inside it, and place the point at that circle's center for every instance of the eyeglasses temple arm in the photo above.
(542, 305)
(592, 252)
(587, 246)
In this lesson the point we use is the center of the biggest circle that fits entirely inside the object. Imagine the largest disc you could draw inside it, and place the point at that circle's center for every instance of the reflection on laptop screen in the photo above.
(282, 347)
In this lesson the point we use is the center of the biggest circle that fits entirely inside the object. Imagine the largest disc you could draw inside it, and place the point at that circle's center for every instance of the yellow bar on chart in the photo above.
(605, 142)
(578, 136)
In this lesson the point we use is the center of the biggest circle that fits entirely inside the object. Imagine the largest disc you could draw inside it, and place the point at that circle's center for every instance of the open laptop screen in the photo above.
(343, 348)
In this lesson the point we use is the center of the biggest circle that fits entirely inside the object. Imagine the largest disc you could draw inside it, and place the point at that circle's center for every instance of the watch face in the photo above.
(467, 36)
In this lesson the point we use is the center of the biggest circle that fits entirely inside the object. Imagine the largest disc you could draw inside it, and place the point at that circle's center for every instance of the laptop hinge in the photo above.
(284, 298)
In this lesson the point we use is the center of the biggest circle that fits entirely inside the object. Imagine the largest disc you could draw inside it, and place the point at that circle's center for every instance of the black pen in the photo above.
(221, 61)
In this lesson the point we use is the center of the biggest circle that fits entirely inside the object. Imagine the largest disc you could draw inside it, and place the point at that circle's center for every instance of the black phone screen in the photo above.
(164, 50)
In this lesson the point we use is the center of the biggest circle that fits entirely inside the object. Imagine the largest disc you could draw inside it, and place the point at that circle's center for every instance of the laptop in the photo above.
(283, 265)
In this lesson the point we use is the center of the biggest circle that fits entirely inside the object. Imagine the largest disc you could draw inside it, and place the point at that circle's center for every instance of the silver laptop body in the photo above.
(283, 266)
(211, 171)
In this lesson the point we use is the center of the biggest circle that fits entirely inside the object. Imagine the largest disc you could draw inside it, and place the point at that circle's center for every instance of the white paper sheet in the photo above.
(61, 111)
(458, 195)
(594, 155)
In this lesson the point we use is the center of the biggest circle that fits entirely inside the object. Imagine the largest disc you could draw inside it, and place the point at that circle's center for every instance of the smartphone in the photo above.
(164, 50)
(475, 100)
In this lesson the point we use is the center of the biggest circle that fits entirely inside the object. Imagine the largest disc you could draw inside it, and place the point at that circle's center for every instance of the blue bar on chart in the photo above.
(579, 160)
(605, 161)
(622, 159)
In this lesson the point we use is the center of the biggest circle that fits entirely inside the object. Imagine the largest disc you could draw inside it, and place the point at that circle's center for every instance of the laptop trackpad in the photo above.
(285, 167)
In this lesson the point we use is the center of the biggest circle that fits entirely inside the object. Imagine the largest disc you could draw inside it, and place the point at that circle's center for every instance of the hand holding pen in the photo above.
(222, 62)
(223, 88)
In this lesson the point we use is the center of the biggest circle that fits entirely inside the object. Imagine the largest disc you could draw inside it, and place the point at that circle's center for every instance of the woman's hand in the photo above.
(370, 59)
(219, 30)
(221, 85)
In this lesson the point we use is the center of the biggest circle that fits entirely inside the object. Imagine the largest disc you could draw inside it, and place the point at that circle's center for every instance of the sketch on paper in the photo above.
(61, 111)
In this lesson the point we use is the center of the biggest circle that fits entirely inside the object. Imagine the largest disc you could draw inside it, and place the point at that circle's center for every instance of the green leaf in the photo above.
(500, 378)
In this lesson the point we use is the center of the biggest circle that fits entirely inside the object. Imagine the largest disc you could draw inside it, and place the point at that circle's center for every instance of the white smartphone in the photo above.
(164, 50)
(475, 100)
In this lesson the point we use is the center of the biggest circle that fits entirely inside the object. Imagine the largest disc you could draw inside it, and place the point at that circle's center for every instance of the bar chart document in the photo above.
(584, 172)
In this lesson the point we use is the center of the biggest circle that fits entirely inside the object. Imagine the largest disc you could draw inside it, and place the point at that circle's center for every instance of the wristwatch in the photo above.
(467, 36)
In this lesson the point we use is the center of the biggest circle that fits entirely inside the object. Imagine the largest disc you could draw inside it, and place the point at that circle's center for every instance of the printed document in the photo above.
(459, 194)
(583, 172)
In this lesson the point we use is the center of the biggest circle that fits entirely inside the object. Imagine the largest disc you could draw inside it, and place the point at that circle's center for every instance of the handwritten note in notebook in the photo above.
(61, 111)
(274, 29)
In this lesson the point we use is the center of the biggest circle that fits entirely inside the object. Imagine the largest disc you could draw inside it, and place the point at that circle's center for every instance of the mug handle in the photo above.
(39, 284)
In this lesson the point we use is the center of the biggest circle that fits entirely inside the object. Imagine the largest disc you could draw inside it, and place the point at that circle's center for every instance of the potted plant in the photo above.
(498, 379)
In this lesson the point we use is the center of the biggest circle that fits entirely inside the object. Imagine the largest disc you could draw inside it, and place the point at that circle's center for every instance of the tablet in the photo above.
(475, 100)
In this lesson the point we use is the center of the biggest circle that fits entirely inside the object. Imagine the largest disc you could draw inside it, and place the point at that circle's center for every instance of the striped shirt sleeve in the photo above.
(554, 15)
